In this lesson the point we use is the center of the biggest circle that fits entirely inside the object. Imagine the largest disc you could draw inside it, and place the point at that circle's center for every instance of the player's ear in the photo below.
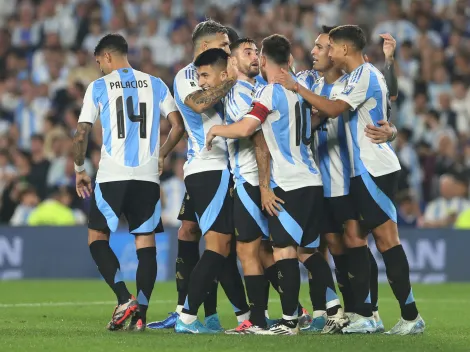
(262, 61)
(223, 75)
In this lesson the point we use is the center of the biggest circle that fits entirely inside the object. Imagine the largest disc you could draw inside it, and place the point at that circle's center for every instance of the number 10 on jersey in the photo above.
(302, 116)
(142, 118)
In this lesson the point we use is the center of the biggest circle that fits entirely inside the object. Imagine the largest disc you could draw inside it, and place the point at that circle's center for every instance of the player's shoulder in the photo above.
(363, 73)
(188, 72)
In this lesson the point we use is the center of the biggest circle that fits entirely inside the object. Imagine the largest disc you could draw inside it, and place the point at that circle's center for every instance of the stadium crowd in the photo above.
(46, 63)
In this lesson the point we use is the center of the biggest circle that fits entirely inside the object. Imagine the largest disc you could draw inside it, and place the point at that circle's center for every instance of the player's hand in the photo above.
(270, 202)
(389, 46)
(161, 161)
(209, 138)
(83, 184)
(232, 69)
(285, 79)
(379, 135)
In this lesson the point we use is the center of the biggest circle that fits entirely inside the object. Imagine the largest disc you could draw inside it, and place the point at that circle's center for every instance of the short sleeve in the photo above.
(90, 109)
(167, 103)
(237, 105)
(262, 103)
(186, 83)
(355, 92)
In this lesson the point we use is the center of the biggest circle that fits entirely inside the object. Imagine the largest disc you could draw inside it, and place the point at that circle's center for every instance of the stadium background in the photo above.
(46, 62)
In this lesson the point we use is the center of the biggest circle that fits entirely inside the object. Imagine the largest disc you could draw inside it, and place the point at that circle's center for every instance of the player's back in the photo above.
(287, 131)
(130, 104)
(197, 125)
(241, 152)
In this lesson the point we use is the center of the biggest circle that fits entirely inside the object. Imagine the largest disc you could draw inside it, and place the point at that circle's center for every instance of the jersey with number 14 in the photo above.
(286, 125)
(129, 104)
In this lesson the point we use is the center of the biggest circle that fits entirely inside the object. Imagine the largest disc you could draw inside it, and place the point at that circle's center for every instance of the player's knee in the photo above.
(189, 231)
(386, 236)
(96, 235)
(304, 253)
(218, 242)
(287, 252)
(335, 243)
(145, 240)
(353, 236)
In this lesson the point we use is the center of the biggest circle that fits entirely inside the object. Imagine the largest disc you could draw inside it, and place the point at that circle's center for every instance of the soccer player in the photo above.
(285, 124)
(250, 223)
(129, 104)
(332, 155)
(207, 179)
(374, 169)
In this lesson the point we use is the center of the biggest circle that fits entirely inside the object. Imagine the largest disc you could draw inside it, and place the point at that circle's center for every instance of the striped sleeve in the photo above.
(90, 108)
(355, 92)
(237, 105)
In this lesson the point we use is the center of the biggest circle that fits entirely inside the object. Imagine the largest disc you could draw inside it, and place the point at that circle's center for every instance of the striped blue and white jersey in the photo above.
(241, 152)
(260, 81)
(129, 104)
(367, 94)
(197, 125)
(287, 130)
(330, 144)
(307, 78)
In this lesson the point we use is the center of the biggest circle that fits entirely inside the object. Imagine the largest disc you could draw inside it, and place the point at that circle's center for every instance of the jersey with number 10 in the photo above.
(287, 129)
(129, 104)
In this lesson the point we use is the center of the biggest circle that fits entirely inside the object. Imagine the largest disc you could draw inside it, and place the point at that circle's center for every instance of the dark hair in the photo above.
(209, 27)
(277, 48)
(232, 35)
(406, 132)
(38, 137)
(351, 33)
(236, 44)
(434, 114)
(327, 29)
(212, 57)
(115, 42)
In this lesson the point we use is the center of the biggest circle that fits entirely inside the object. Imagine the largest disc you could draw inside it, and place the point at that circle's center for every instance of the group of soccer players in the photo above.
(254, 187)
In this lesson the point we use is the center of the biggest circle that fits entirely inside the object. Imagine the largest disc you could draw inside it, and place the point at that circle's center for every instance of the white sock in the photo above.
(290, 317)
(266, 314)
(179, 309)
(241, 318)
(188, 318)
(318, 313)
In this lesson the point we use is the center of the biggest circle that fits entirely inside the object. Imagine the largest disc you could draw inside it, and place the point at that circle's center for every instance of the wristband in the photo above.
(79, 168)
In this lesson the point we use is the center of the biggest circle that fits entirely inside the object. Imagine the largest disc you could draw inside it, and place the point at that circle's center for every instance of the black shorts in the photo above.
(372, 197)
(138, 201)
(250, 222)
(187, 212)
(300, 221)
(337, 211)
(211, 195)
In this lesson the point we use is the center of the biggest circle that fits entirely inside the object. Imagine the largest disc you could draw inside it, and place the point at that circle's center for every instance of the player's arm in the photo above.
(269, 201)
(201, 100)
(389, 47)
(170, 111)
(88, 116)
(241, 129)
(326, 107)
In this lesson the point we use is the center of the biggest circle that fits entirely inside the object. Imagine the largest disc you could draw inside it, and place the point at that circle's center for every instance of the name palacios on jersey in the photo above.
(129, 84)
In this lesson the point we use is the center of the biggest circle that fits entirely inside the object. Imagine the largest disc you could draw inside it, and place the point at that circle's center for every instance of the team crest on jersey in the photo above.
(349, 88)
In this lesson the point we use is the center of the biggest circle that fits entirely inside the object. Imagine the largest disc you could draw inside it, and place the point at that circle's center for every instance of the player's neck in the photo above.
(121, 64)
(243, 77)
(354, 62)
(331, 76)
(273, 71)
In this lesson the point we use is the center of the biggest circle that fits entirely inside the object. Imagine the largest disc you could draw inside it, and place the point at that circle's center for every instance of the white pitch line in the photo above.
(167, 301)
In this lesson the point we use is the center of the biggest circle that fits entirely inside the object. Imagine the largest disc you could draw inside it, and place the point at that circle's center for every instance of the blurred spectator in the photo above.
(28, 202)
(409, 158)
(173, 190)
(408, 212)
(443, 211)
(55, 211)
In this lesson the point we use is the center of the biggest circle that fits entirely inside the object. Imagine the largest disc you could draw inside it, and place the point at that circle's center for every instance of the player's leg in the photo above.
(382, 220)
(250, 225)
(105, 210)
(374, 292)
(143, 212)
(209, 191)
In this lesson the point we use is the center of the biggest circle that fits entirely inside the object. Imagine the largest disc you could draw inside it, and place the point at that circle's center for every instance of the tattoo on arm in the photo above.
(80, 142)
(205, 99)
(263, 159)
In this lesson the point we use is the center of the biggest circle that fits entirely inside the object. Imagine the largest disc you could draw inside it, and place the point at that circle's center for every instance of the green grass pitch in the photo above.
(71, 316)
